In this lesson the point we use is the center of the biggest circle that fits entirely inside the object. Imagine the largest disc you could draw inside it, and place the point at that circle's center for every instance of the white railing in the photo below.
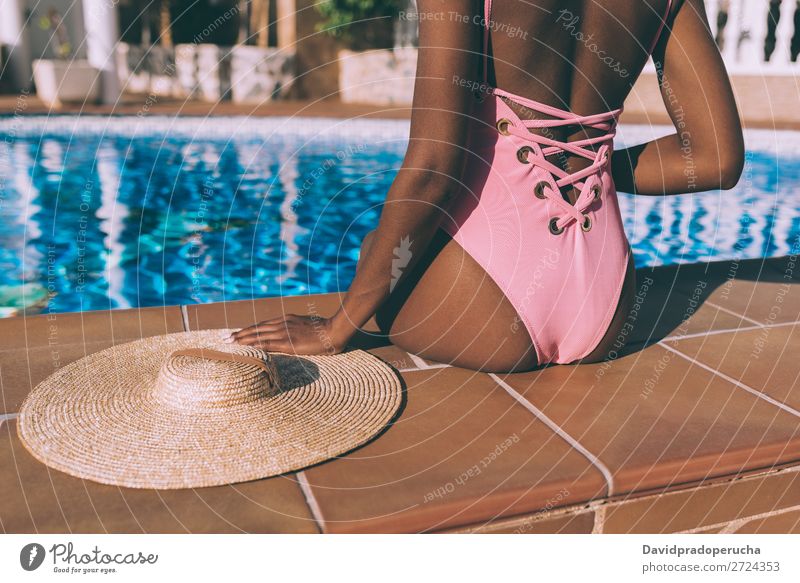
(755, 36)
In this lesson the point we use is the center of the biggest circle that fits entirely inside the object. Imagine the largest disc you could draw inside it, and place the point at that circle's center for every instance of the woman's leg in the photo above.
(449, 310)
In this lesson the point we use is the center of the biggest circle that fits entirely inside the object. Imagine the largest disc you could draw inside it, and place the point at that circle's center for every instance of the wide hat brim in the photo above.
(97, 418)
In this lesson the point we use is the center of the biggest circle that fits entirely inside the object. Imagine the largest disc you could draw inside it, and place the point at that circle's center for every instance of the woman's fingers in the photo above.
(261, 334)
(277, 345)
(259, 329)
(292, 333)
(269, 324)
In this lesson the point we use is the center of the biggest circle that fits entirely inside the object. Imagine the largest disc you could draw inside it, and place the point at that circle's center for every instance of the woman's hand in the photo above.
(293, 334)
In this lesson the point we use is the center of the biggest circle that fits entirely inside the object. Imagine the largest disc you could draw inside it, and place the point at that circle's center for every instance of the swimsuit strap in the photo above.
(661, 27)
(487, 15)
(544, 147)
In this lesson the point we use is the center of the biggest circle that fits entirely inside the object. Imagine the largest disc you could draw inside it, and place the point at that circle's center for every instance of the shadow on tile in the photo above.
(680, 300)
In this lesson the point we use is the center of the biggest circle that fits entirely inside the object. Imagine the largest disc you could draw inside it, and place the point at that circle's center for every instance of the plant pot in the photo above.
(62, 81)
(260, 74)
(381, 77)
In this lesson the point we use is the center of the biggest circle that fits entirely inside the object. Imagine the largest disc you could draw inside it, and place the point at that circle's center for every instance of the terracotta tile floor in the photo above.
(694, 428)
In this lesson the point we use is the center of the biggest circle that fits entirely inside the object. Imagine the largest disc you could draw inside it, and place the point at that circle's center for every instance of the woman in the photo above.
(505, 208)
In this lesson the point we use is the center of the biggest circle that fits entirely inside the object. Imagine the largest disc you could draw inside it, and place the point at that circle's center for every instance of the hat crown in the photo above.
(212, 378)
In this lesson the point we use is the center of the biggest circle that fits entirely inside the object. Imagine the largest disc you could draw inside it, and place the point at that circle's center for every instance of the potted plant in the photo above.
(361, 24)
(371, 70)
(63, 78)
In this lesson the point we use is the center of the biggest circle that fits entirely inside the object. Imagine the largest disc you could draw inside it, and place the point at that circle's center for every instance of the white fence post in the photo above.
(781, 58)
(712, 10)
(732, 32)
(753, 15)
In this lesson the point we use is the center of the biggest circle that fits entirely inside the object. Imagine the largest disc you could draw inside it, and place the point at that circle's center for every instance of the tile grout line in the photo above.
(733, 381)
(710, 333)
(740, 522)
(593, 459)
(732, 313)
(311, 500)
(728, 331)
(185, 317)
(7, 417)
(599, 520)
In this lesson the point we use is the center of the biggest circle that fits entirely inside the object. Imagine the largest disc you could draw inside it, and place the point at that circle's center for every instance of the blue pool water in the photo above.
(99, 213)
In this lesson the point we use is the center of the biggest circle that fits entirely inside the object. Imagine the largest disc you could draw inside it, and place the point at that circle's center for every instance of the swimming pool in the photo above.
(99, 212)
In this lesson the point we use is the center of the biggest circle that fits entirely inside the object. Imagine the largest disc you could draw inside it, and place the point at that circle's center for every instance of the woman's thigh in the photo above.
(449, 310)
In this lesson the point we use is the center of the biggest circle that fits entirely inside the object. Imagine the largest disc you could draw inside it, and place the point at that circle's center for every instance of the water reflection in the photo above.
(95, 222)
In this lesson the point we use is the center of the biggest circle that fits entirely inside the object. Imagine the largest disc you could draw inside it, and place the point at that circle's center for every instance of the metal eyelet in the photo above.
(538, 190)
(502, 126)
(522, 154)
(554, 228)
(595, 192)
(586, 225)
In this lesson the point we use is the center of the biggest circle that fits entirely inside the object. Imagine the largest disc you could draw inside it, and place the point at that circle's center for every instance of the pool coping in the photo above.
(707, 426)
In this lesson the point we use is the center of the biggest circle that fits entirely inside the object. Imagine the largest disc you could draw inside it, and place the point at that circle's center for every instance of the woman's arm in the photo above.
(707, 150)
(447, 69)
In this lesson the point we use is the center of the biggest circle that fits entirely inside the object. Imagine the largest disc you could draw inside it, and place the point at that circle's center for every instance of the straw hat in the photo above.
(188, 410)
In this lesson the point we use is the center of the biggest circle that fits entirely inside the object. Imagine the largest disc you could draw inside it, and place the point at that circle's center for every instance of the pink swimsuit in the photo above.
(561, 266)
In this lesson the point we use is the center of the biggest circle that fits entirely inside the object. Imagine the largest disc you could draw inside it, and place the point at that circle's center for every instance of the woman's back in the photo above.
(579, 55)
(504, 273)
